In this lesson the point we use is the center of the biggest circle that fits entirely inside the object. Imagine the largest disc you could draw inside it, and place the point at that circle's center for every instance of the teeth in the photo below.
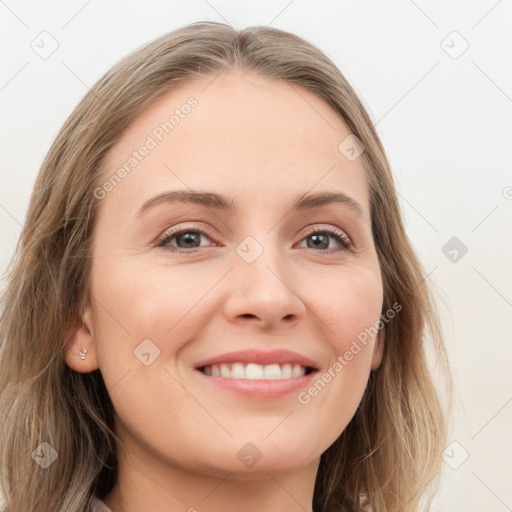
(272, 372)
(224, 370)
(286, 371)
(253, 371)
(238, 371)
(297, 371)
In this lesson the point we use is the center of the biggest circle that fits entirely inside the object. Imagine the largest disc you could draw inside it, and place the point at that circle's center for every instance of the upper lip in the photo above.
(280, 356)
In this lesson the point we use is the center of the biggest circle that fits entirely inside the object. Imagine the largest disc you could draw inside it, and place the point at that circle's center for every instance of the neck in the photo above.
(157, 486)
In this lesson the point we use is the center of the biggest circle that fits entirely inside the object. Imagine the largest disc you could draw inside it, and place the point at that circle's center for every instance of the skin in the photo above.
(261, 142)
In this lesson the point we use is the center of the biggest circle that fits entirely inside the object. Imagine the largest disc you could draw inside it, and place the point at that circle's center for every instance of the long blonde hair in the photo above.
(388, 457)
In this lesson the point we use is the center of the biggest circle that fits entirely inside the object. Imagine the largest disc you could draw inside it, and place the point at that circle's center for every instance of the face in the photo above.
(268, 295)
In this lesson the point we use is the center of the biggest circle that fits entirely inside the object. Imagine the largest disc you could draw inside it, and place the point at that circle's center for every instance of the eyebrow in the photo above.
(220, 202)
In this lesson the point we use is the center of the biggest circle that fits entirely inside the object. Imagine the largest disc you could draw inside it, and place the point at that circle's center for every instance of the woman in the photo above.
(281, 364)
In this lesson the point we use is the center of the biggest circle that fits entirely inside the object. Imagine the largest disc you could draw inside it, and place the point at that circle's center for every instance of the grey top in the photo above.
(98, 506)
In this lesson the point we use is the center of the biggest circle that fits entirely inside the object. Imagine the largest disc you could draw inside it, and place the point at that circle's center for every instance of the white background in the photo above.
(445, 124)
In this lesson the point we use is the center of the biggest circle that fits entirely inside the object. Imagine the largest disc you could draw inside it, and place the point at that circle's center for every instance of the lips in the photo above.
(280, 357)
(273, 385)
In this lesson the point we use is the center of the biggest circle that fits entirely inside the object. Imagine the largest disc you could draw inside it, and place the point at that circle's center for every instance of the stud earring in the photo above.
(82, 353)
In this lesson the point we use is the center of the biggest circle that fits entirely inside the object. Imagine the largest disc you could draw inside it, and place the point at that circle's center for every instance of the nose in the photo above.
(263, 292)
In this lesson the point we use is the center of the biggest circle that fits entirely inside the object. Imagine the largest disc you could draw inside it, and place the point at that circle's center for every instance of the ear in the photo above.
(378, 349)
(80, 336)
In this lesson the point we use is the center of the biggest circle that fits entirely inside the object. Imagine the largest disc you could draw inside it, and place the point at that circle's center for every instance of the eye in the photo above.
(186, 239)
(320, 238)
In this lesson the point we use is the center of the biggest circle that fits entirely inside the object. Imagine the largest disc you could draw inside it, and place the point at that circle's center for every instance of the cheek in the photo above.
(349, 303)
(147, 300)
(146, 313)
(142, 315)
(350, 308)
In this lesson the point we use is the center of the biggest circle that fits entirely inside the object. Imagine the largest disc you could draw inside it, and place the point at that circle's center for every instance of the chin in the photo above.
(284, 454)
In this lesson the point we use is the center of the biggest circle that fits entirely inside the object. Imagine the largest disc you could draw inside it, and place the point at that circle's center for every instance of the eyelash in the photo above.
(346, 244)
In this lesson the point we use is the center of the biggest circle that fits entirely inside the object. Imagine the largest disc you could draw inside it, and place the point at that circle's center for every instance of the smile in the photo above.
(254, 371)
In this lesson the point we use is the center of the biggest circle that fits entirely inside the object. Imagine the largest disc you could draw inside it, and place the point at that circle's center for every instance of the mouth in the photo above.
(254, 371)
(258, 374)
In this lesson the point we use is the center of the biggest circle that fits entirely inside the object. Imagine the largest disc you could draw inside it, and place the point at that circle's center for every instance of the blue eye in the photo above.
(189, 237)
(188, 240)
(321, 237)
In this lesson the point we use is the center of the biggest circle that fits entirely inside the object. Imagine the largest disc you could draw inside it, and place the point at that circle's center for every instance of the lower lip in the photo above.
(261, 388)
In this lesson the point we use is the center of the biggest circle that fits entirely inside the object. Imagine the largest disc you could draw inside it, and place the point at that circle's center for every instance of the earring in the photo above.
(82, 353)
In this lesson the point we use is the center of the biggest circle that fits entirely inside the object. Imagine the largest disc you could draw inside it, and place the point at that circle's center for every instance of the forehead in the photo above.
(237, 132)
